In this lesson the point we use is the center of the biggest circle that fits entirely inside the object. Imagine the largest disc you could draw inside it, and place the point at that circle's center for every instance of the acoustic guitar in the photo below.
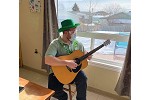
(65, 74)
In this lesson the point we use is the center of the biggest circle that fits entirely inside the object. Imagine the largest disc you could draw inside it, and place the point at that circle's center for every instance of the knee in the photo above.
(83, 79)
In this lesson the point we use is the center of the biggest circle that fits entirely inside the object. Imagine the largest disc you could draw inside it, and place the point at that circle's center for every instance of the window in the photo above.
(100, 20)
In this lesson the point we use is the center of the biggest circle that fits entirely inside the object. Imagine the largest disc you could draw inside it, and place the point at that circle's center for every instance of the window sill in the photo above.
(110, 65)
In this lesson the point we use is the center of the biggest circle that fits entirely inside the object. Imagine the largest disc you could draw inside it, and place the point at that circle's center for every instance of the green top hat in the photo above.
(67, 24)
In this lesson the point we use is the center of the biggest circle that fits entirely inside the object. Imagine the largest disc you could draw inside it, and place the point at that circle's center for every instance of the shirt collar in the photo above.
(61, 41)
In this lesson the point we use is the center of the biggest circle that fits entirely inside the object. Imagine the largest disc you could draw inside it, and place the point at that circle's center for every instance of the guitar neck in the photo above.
(90, 53)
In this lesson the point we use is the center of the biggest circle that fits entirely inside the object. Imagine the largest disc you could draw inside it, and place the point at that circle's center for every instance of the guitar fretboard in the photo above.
(90, 53)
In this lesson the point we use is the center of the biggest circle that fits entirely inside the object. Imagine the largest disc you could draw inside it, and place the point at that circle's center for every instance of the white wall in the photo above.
(30, 34)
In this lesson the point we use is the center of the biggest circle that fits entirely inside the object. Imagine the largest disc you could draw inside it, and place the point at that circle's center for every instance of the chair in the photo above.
(71, 92)
(121, 44)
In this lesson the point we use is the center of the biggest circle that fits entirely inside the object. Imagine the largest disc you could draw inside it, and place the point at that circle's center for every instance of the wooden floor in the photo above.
(42, 80)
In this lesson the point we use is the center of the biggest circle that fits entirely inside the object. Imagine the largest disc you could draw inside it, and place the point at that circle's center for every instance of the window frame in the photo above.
(113, 36)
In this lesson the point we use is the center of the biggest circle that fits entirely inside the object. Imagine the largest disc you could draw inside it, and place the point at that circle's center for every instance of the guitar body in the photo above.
(63, 74)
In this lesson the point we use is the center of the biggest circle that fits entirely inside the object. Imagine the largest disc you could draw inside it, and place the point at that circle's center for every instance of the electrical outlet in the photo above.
(36, 51)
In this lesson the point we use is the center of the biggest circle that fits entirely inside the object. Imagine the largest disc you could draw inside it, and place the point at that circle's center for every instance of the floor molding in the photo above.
(98, 91)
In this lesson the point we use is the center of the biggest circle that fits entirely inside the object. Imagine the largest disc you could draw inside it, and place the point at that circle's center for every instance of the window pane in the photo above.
(110, 52)
(97, 15)
(85, 41)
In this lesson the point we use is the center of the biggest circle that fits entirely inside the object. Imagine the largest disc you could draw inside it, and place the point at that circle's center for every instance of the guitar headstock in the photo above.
(106, 42)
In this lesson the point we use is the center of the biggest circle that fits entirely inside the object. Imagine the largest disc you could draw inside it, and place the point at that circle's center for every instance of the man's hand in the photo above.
(89, 57)
(71, 64)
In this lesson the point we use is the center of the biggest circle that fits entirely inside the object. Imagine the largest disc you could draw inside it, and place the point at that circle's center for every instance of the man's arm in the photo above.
(54, 61)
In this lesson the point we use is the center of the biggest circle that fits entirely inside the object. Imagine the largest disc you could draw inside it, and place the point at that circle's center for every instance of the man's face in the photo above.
(70, 32)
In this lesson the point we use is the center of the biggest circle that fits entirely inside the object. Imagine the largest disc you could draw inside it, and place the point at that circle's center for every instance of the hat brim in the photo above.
(66, 28)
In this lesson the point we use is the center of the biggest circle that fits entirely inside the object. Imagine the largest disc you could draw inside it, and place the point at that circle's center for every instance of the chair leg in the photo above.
(70, 95)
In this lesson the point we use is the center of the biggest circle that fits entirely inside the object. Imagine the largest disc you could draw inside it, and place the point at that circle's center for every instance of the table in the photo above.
(34, 91)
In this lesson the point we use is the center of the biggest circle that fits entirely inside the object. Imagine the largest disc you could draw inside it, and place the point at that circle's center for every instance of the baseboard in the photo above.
(100, 92)
(89, 88)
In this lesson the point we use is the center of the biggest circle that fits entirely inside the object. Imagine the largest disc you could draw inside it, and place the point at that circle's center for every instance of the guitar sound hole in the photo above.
(77, 69)
(77, 60)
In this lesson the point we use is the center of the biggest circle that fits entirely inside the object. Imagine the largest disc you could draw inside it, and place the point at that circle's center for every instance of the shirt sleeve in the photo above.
(81, 47)
(52, 49)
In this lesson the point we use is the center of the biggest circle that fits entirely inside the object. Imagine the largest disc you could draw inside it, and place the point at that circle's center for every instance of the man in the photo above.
(65, 45)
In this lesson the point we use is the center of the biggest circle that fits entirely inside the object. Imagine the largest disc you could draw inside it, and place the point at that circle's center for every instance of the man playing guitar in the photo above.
(65, 45)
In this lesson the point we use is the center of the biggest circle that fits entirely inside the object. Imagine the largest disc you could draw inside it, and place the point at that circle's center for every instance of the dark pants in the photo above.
(81, 86)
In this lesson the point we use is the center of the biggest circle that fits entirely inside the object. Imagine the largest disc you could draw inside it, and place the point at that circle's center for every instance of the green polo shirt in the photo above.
(59, 48)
